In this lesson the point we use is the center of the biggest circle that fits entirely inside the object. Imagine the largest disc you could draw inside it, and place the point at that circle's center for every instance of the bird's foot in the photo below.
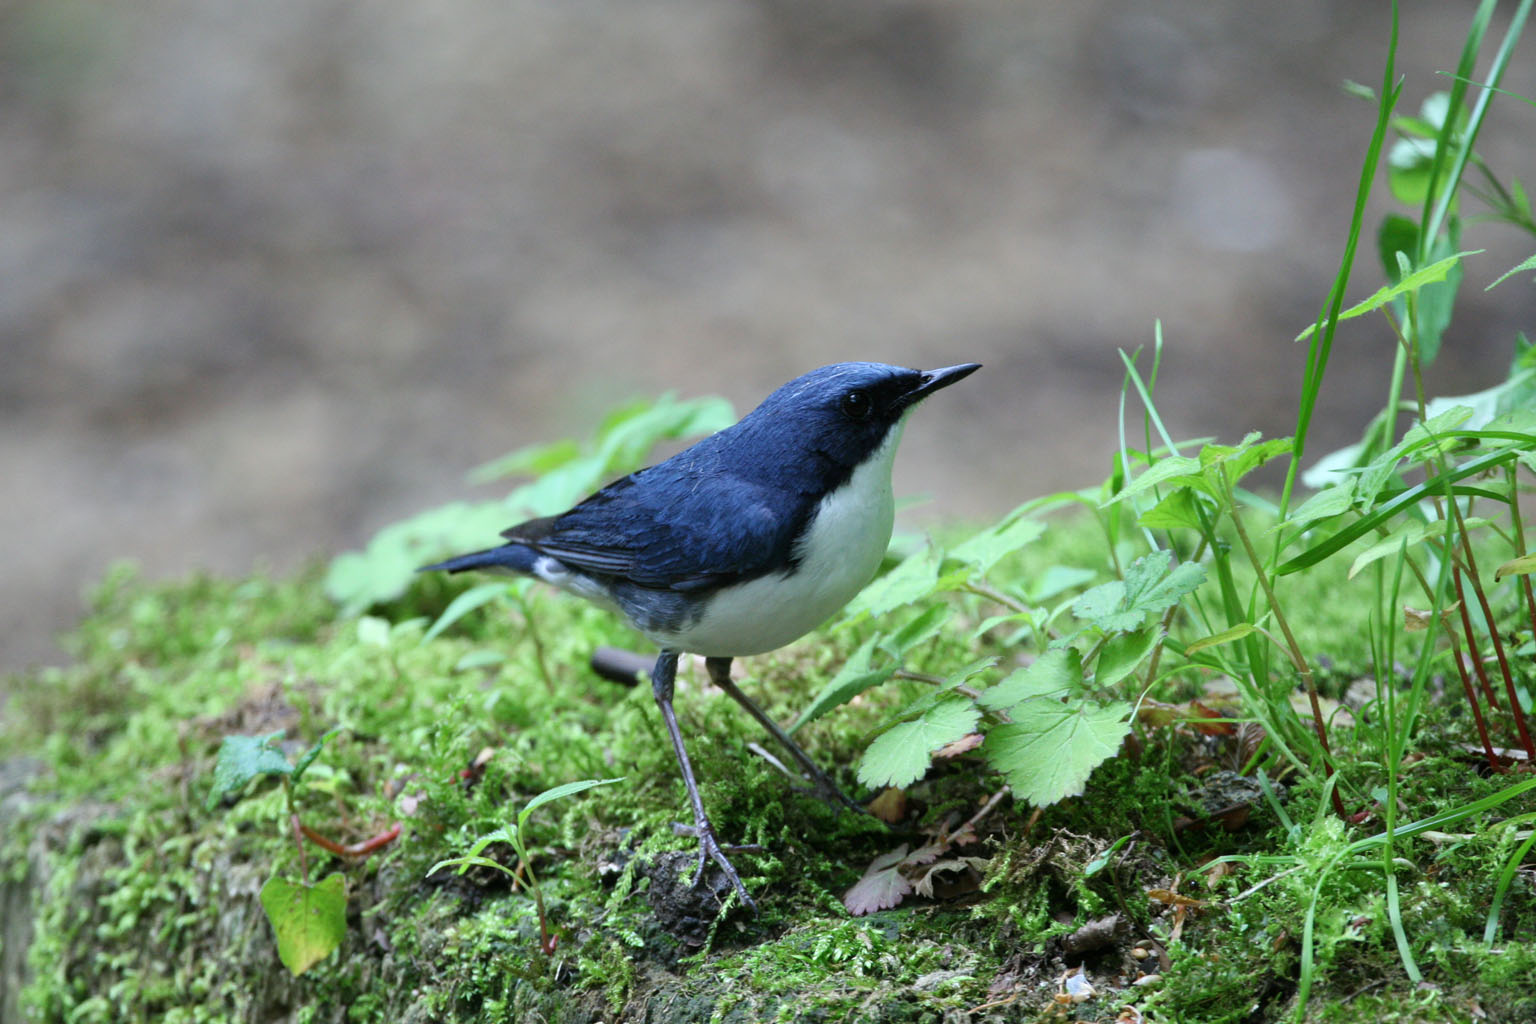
(710, 849)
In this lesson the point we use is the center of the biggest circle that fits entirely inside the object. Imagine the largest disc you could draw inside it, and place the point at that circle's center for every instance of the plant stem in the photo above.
(1298, 659)
(1477, 712)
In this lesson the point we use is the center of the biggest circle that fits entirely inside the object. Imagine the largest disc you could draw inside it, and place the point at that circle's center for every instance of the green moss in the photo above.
(145, 902)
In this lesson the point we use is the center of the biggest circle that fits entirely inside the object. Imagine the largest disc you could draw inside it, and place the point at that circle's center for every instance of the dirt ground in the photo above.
(274, 275)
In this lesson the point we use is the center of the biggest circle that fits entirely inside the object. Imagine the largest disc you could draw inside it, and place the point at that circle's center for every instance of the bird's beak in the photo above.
(933, 380)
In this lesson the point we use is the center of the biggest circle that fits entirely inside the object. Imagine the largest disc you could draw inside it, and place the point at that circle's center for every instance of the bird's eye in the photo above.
(857, 405)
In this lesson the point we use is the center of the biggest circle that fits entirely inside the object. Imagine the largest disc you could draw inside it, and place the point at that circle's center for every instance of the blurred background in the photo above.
(276, 274)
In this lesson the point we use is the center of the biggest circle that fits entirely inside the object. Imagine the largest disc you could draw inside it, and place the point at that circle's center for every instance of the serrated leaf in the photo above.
(1151, 585)
(556, 793)
(1048, 751)
(856, 676)
(1443, 420)
(1057, 673)
(967, 672)
(1123, 654)
(901, 755)
(914, 578)
(1436, 271)
(243, 758)
(1175, 470)
(990, 546)
(1324, 504)
(465, 603)
(309, 920)
(1177, 511)
(882, 887)
(1250, 455)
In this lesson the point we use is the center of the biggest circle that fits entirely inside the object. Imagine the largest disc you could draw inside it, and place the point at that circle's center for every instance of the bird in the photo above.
(738, 545)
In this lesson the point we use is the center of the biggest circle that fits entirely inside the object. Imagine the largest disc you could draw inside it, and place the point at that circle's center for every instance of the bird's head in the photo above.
(843, 413)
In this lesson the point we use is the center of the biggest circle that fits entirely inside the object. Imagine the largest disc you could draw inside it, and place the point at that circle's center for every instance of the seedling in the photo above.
(514, 837)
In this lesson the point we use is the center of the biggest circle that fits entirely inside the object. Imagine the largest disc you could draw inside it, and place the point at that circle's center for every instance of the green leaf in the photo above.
(920, 630)
(1049, 749)
(1436, 301)
(500, 835)
(309, 920)
(901, 755)
(1180, 470)
(357, 580)
(1397, 234)
(559, 791)
(533, 460)
(308, 757)
(1178, 510)
(1057, 673)
(1057, 579)
(1407, 535)
(465, 603)
(1436, 271)
(373, 631)
(1526, 264)
(990, 546)
(857, 675)
(914, 578)
(1226, 636)
(1522, 566)
(479, 659)
(1429, 433)
(1152, 584)
(1247, 456)
(1388, 509)
(243, 758)
(1324, 504)
(474, 860)
(1123, 654)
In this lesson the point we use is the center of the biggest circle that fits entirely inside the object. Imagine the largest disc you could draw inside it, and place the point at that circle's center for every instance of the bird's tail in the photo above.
(507, 558)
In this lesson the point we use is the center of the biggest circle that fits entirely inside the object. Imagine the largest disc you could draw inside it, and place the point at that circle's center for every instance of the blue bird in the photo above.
(740, 544)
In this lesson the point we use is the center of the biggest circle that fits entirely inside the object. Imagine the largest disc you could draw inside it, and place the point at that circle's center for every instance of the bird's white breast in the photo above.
(838, 555)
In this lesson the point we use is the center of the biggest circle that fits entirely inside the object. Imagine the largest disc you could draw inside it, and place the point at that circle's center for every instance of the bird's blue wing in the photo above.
(676, 527)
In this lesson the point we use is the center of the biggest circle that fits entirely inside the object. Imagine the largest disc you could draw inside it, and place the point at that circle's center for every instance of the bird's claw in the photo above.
(710, 849)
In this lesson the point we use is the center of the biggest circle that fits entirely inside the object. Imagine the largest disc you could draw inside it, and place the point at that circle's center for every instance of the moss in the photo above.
(144, 901)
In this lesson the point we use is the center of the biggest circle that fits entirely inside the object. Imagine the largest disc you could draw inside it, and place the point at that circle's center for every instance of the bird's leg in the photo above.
(661, 686)
(720, 674)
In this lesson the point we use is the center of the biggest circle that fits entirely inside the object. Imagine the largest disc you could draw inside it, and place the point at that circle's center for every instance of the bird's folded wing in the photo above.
(675, 534)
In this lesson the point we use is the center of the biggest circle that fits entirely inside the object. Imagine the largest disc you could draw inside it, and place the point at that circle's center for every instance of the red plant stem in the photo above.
(298, 840)
(361, 849)
(1466, 626)
(1498, 650)
(1530, 602)
(1477, 712)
